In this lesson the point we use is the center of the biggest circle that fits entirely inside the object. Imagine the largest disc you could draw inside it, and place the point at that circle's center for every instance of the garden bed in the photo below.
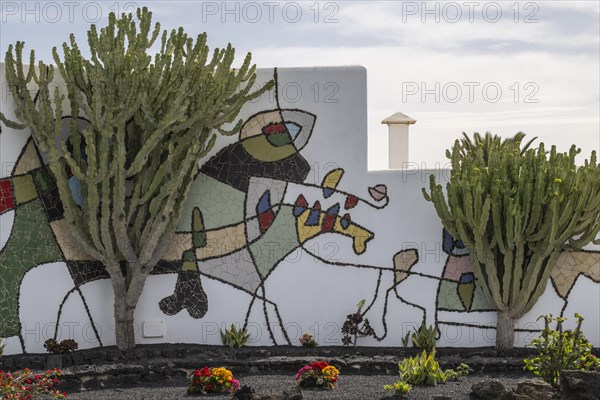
(109, 367)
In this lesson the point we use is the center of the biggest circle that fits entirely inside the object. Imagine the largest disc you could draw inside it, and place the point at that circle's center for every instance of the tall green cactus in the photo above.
(152, 118)
(516, 209)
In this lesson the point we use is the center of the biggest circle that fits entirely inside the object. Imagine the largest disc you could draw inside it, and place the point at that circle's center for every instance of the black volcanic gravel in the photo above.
(351, 387)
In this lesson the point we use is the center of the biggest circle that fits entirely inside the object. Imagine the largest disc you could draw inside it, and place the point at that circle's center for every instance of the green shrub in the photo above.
(423, 338)
(234, 337)
(398, 389)
(560, 350)
(423, 370)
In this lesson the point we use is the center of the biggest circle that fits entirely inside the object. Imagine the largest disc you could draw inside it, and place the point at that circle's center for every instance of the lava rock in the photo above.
(532, 389)
(580, 385)
(491, 389)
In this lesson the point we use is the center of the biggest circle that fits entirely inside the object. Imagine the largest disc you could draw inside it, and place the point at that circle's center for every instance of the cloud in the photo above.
(545, 94)
(456, 26)
(554, 61)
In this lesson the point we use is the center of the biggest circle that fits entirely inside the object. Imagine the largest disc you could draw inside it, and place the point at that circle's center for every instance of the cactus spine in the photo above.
(151, 119)
(517, 208)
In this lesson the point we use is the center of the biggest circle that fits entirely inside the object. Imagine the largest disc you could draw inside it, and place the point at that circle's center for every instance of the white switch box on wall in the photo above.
(153, 329)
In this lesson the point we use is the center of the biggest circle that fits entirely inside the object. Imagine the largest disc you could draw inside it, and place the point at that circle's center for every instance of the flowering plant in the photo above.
(216, 380)
(25, 385)
(307, 340)
(318, 374)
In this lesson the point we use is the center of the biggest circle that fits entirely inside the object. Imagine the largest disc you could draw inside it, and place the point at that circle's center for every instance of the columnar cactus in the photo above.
(151, 119)
(517, 208)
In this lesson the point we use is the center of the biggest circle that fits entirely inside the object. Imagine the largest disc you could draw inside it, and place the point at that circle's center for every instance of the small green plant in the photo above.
(455, 374)
(398, 389)
(423, 338)
(234, 337)
(66, 346)
(355, 326)
(560, 350)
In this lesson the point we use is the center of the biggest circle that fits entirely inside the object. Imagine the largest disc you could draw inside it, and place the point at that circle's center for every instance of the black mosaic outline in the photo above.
(87, 310)
(60, 308)
(392, 288)
(471, 325)
(22, 154)
(253, 295)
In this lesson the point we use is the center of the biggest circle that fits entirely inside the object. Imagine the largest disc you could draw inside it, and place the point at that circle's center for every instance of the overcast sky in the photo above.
(501, 66)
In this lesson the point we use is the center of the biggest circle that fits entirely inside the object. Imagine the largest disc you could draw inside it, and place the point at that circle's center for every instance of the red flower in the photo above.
(209, 387)
(205, 371)
(319, 365)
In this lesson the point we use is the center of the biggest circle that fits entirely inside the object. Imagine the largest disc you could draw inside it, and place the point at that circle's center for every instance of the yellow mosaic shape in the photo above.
(359, 235)
(332, 179)
(24, 189)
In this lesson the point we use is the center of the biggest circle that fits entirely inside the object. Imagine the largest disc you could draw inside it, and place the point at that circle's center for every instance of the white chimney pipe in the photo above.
(398, 139)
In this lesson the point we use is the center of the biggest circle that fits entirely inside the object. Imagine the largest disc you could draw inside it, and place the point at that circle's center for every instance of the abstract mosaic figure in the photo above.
(459, 291)
(188, 289)
(237, 226)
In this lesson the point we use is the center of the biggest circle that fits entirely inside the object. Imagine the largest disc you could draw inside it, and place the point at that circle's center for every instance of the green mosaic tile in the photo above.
(31, 244)
(24, 189)
(480, 302)
(220, 204)
(277, 242)
(448, 297)
(43, 180)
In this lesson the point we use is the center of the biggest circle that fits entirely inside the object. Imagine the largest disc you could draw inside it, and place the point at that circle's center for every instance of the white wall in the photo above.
(312, 296)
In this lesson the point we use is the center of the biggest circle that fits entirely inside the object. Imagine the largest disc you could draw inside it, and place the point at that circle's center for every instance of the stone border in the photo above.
(108, 367)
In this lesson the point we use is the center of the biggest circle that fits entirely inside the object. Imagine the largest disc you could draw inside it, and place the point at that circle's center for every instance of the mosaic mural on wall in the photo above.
(241, 222)
(234, 218)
